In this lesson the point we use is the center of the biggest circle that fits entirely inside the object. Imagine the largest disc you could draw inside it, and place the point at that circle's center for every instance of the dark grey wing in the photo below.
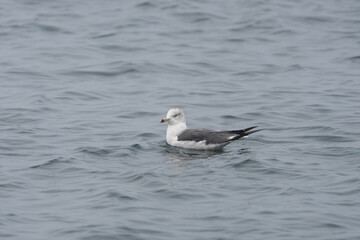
(214, 137)
(210, 136)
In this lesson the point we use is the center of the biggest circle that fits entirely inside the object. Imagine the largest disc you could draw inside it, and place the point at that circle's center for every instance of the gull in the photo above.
(178, 135)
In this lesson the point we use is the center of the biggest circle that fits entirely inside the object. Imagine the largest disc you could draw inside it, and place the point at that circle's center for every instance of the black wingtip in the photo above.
(245, 132)
(248, 129)
(251, 132)
(248, 132)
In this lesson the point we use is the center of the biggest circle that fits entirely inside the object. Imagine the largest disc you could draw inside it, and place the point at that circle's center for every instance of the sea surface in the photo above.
(84, 85)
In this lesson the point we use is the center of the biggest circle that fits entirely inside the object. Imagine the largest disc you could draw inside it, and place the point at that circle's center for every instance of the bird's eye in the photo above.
(176, 115)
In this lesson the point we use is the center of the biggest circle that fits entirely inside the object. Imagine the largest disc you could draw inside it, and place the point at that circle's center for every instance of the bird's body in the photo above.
(179, 135)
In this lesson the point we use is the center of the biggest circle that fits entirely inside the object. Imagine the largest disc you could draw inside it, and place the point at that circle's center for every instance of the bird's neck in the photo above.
(175, 130)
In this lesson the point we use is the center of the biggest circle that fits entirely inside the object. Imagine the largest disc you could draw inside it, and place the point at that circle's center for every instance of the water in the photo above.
(84, 84)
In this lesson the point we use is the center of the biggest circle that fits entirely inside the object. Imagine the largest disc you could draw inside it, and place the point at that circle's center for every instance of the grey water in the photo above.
(84, 85)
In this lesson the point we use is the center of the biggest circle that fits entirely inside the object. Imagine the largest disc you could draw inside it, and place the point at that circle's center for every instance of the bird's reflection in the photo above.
(182, 155)
(179, 158)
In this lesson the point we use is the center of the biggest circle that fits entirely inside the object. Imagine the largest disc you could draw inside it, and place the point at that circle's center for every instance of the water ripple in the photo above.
(84, 85)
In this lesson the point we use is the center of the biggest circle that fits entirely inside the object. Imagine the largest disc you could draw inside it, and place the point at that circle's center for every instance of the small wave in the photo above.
(132, 176)
(262, 140)
(51, 28)
(148, 135)
(51, 162)
(331, 225)
(136, 147)
(146, 5)
(207, 65)
(267, 212)
(101, 73)
(84, 96)
(292, 191)
(245, 163)
(173, 194)
(315, 19)
(353, 59)
(120, 48)
(196, 17)
(251, 73)
(294, 67)
(138, 114)
(345, 192)
(284, 32)
(319, 128)
(119, 196)
(12, 185)
(327, 138)
(95, 151)
(28, 73)
(231, 117)
(236, 40)
(105, 35)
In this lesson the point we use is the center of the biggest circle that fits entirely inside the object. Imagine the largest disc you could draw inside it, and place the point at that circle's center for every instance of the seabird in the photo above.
(178, 135)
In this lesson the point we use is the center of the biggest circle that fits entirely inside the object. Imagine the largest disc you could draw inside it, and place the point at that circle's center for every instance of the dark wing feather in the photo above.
(213, 137)
(210, 137)
(244, 132)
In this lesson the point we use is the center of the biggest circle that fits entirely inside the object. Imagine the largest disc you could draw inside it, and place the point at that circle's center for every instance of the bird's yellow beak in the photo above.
(164, 120)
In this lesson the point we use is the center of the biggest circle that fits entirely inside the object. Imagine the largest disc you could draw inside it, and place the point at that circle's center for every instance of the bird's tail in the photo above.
(244, 132)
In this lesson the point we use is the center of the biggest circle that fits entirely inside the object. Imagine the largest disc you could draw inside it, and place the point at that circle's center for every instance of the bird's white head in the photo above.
(174, 117)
